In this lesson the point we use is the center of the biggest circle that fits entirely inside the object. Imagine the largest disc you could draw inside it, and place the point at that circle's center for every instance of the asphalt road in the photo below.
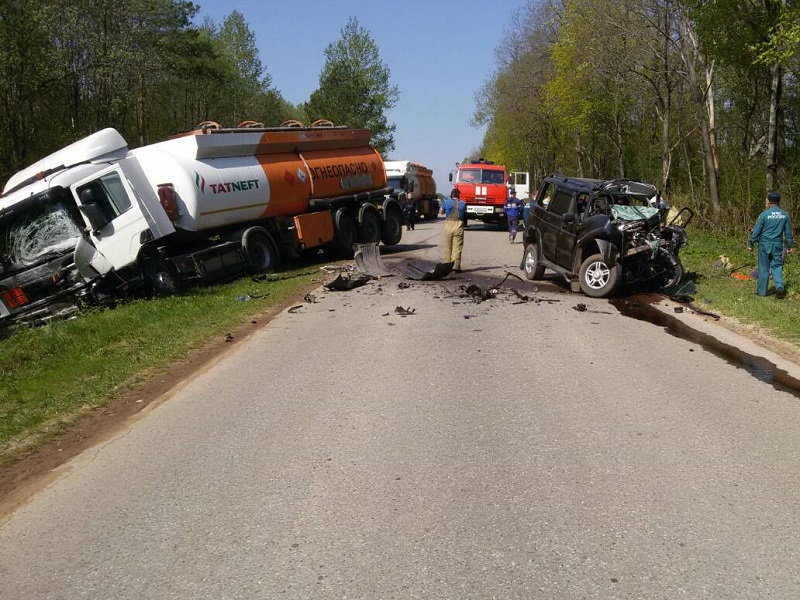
(501, 449)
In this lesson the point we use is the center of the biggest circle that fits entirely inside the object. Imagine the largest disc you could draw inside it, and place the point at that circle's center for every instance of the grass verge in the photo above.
(718, 291)
(51, 375)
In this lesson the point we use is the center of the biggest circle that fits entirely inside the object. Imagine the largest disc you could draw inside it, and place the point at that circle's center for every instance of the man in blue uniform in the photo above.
(771, 229)
(513, 209)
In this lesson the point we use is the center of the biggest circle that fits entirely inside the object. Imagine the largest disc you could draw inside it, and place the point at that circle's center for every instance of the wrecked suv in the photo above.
(600, 234)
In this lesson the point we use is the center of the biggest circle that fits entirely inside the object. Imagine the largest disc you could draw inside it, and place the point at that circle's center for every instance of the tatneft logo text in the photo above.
(234, 186)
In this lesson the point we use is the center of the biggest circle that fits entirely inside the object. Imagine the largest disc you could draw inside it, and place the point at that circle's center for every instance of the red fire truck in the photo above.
(483, 185)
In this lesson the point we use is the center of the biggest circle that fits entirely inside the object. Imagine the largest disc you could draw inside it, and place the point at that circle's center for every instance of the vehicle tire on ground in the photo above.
(346, 233)
(675, 274)
(598, 278)
(392, 227)
(530, 262)
(260, 251)
(159, 279)
(369, 229)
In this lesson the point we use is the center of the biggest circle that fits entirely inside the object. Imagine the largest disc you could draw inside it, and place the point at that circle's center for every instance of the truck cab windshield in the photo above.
(396, 183)
(37, 229)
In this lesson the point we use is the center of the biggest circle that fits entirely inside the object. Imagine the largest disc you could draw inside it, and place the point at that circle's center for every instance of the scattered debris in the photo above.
(338, 268)
(678, 309)
(368, 259)
(403, 285)
(253, 296)
(742, 276)
(404, 312)
(723, 262)
(580, 307)
(522, 297)
(310, 298)
(296, 309)
(344, 283)
(705, 313)
(479, 294)
(228, 337)
(426, 271)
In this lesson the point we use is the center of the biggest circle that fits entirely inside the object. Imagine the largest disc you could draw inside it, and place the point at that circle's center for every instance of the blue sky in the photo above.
(439, 52)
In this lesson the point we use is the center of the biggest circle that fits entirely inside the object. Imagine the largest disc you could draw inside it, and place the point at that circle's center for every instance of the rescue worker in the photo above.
(411, 214)
(455, 212)
(513, 209)
(771, 229)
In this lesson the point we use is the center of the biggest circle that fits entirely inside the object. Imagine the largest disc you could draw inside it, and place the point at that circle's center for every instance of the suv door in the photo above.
(557, 228)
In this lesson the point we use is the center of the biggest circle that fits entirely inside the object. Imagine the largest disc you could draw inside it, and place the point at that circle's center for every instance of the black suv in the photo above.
(599, 234)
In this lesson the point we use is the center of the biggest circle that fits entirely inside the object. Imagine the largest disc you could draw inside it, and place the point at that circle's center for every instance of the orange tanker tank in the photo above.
(224, 176)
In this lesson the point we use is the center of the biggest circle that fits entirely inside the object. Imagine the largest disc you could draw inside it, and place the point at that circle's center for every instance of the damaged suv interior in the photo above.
(601, 234)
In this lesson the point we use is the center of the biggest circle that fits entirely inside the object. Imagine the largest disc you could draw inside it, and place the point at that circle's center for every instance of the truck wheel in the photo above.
(260, 251)
(370, 228)
(392, 230)
(530, 263)
(159, 280)
(346, 233)
(597, 278)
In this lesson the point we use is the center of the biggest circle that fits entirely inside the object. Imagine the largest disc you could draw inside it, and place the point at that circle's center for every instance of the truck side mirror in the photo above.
(92, 210)
(450, 177)
(94, 214)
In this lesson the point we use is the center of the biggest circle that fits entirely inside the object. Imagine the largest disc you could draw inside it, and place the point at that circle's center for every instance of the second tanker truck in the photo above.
(98, 218)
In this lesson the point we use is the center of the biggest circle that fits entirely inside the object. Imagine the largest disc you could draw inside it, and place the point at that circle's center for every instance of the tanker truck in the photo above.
(97, 220)
(416, 182)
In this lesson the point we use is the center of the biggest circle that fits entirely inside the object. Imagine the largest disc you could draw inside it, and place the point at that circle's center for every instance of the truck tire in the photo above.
(159, 279)
(370, 228)
(530, 263)
(597, 278)
(260, 251)
(346, 233)
(392, 227)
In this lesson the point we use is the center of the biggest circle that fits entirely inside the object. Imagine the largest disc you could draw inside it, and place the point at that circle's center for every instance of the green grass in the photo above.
(718, 291)
(50, 374)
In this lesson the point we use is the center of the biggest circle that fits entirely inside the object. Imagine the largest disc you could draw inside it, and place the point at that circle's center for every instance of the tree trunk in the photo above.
(579, 153)
(772, 136)
(620, 153)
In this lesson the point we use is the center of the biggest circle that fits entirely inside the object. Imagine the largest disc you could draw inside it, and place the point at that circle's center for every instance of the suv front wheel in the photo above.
(597, 278)
(530, 262)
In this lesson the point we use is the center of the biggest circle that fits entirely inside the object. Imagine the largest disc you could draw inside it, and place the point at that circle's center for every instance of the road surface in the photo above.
(501, 449)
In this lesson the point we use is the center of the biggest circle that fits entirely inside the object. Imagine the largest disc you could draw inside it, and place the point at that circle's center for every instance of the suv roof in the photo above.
(611, 186)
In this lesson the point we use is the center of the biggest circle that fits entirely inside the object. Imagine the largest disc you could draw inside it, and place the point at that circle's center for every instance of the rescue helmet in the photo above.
(773, 197)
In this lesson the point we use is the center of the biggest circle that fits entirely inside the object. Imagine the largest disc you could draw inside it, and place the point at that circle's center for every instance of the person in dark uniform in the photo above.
(411, 214)
(513, 209)
(771, 229)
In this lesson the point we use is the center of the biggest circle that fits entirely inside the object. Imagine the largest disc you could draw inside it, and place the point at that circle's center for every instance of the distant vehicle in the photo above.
(520, 181)
(485, 186)
(415, 181)
(96, 220)
(600, 234)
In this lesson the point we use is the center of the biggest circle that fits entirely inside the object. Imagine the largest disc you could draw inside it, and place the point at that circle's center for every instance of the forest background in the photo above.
(699, 97)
